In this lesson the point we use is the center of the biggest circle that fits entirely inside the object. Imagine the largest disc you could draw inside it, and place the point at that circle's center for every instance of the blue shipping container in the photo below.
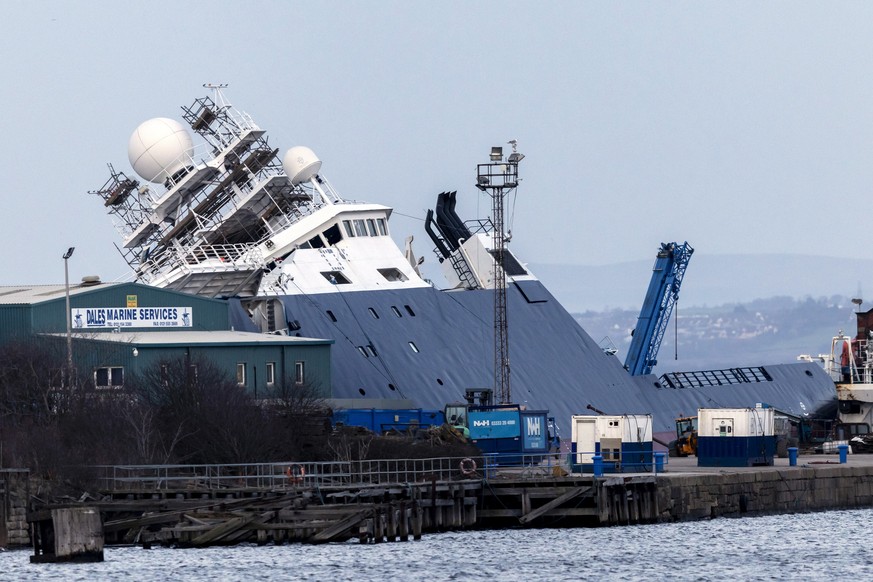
(718, 451)
(381, 420)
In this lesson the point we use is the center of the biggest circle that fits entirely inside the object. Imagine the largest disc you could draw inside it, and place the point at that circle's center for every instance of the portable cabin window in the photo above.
(333, 235)
(241, 374)
(299, 372)
(109, 377)
(271, 373)
(350, 232)
(371, 227)
(383, 230)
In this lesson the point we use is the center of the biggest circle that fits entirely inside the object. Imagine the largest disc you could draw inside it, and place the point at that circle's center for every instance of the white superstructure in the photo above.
(225, 217)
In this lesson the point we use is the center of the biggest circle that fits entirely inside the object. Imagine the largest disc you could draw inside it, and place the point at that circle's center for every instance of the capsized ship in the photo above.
(228, 217)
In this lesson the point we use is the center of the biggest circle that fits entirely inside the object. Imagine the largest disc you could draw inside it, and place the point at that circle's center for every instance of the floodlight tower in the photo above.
(498, 178)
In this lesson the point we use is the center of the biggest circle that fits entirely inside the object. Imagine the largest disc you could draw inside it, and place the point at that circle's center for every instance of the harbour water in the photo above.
(811, 546)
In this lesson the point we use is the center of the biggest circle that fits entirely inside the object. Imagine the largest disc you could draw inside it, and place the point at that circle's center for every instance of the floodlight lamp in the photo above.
(515, 157)
(496, 154)
(69, 253)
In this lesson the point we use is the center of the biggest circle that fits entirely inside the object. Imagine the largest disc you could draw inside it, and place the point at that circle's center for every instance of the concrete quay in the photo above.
(818, 482)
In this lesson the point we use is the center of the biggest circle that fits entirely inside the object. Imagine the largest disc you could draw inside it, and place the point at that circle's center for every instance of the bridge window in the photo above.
(333, 235)
(392, 274)
(347, 224)
(371, 226)
(383, 230)
(335, 277)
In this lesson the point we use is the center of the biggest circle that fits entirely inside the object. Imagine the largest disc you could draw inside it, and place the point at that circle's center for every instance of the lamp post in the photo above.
(68, 316)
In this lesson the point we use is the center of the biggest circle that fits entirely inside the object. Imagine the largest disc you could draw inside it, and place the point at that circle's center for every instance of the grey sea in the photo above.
(817, 546)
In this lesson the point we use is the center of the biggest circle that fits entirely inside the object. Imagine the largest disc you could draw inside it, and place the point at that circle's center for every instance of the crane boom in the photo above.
(667, 274)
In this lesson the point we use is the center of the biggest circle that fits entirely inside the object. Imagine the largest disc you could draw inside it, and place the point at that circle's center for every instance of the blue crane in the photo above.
(670, 265)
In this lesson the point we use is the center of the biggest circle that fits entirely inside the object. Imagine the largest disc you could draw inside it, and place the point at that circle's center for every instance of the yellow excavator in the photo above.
(686, 437)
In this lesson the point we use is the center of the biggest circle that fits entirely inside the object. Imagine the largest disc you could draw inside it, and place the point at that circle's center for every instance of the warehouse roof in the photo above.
(29, 294)
(197, 338)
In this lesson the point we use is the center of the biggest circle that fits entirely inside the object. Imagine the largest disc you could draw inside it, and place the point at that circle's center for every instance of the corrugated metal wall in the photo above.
(208, 314)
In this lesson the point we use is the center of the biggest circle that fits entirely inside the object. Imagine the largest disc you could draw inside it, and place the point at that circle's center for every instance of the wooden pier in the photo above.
(205, 506)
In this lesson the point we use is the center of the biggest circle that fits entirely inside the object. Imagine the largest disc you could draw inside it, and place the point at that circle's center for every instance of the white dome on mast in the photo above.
(159, 148)
(300, 164)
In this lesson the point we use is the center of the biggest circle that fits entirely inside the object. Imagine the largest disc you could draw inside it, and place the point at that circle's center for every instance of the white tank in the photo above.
(300, 164)
(159, 148)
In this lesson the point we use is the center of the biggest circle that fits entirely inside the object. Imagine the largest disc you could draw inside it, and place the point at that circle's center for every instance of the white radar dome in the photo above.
(300, 164)
(159, 148)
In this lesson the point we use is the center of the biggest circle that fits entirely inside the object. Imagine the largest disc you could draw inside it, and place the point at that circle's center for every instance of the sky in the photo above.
(741, 127)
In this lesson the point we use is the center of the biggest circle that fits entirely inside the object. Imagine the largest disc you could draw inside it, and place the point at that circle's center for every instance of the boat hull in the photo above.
(430, 346)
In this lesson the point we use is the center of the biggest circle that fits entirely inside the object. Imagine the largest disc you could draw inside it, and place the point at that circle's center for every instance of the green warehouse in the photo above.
(121, 329)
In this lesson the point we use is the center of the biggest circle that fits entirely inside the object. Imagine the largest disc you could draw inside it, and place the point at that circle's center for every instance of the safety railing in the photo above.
(325, 474)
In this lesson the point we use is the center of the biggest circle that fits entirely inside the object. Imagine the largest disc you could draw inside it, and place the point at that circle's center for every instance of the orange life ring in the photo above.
(295, 473)
(467, 467)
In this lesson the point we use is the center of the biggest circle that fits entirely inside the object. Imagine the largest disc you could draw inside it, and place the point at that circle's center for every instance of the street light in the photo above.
(69, 316)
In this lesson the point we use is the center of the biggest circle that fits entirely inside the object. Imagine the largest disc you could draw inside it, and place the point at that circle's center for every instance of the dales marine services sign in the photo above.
(121, 317)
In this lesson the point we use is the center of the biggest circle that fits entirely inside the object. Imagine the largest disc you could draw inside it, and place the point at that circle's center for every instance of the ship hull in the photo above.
(429, 346)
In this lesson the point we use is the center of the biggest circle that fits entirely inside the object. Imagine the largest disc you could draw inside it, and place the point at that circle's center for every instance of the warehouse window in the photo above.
(271, 373)
(109, 377)
(299, 373)
(241, 373)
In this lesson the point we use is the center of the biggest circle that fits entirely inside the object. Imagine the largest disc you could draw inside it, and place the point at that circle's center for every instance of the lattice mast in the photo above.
(497, 179)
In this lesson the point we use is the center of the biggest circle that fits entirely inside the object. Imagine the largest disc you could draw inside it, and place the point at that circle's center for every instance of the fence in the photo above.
(322, 474)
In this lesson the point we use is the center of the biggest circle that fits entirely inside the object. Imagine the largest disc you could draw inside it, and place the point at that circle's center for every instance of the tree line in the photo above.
(176, 411)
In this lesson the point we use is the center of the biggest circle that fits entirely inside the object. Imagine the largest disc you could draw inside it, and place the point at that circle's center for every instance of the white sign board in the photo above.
(126, 317)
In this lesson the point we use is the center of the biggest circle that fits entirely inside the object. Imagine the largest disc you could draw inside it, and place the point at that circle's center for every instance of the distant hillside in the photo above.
(710, 280)
(764, 331)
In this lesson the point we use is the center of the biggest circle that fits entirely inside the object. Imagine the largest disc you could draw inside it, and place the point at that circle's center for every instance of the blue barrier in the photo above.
(598, 465)
(844, 452)
(792, 456)
(659, 462)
